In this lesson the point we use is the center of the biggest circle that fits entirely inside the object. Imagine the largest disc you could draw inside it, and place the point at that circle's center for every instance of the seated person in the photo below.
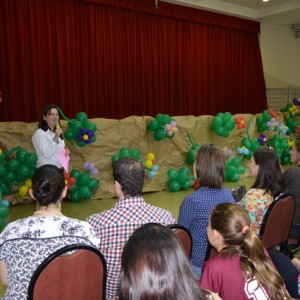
(25, 243)
(265, 167)
(194, 211)
(154, 266)
(242, 269)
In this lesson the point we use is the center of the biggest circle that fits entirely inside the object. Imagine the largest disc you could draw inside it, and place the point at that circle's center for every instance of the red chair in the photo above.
(277, 222)
(184, 236)
(73, 272)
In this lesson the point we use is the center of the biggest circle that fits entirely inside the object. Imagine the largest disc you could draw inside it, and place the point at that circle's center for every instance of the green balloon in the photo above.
(4, 211)
(80, 143)
(2, 170)
(12, 165)
(226, 117)
(90, 126)
(135, 153)
(74, 188)
(1, 223)
(6, 188)
(9, 178)
(165, 119)
(114, 158)
(69, 134)
(85, 192)
(153, 125)
(31, 159)
(186, 185)
(75, 197)
(159, 134)
(217, 121)
(81, 117)
(185, 170)
(75, 173)
(182, 178)
(21, 155)
(234, 177)
(93, 183)
(174, 186)
(23, 170)
(124, 152)
(173, 174)
(75, 126)
(83, 179)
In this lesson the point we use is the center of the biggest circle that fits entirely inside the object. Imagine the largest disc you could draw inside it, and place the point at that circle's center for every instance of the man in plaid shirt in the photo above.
(115, 226)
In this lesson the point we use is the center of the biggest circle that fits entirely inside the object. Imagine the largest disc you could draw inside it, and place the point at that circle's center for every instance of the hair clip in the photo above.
(245, 228)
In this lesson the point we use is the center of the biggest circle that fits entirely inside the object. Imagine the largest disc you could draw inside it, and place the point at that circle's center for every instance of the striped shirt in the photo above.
(115, 226)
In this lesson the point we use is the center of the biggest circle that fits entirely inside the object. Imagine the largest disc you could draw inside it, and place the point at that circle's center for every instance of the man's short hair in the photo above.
(130, 174)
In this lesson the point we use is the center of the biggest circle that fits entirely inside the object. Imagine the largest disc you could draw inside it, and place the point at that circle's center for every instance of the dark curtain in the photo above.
(113, 59)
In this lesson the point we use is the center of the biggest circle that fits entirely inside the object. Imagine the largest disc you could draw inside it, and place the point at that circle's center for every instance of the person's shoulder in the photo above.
(292, 172)
(102, 216)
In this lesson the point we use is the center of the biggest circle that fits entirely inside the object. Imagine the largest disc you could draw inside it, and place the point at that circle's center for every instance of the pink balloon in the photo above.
(168, 126)
(173, 124)
(169, 133)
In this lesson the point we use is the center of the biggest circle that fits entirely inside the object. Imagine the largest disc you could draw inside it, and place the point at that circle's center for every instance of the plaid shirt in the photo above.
(115, 226)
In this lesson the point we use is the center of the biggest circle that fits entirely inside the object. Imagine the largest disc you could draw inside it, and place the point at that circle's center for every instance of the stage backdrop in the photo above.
(131, 132)
(115, 59)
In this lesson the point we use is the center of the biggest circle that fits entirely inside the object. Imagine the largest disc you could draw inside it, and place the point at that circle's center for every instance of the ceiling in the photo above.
(274, 11)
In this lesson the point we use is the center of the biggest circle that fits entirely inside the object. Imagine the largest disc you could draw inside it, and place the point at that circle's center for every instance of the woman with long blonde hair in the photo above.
(242, 269)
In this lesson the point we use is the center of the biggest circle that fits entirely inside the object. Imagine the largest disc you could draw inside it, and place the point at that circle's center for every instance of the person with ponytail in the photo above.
(242, 269)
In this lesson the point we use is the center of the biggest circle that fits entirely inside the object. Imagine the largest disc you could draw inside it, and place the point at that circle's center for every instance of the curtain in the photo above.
(114, 59)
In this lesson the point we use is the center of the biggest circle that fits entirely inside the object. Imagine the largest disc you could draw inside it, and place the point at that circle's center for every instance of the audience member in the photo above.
(242, 270)
(48, 138)
(154, 266)
(292, 180)
(114, 226)
(25, 243)
(195, 209)
(265, 167)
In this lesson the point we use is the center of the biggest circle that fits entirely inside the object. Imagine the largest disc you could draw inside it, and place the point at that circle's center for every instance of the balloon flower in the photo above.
(69, 181)
(292, 125)
(23, 190)
(179, 180)
(90, 168)
(240, 122)
(222, 124)
(190, 159)
(262, 120)
(83, 187)
(262, 139)
(16, 170)
(281, 147)
(4, 209)
(150, 165)
(80, 130)
(163, 126)
(233, 169)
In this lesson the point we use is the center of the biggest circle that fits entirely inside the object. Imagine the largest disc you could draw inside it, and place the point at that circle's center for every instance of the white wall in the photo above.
(280, 52)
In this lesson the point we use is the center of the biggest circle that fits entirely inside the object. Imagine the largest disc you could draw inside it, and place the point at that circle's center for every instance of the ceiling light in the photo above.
(265, 0)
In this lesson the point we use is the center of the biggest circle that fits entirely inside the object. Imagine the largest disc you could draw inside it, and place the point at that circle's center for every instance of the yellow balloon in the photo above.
(23, 190)
(148, 164)
(0, 151)
(28, 183)
(150, 156)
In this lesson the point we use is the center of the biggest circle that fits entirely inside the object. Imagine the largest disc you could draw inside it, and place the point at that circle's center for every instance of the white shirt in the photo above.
(46, 148)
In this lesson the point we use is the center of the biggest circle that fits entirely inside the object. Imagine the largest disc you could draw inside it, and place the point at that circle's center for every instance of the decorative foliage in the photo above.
(222, 124)
(163, 126)
(240, 122)
(192, 152)
(80, 130)
(179, 180)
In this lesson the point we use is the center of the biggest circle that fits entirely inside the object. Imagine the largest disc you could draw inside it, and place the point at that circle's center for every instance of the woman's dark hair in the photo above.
(130, 174)
(232, 222)
(42, 124)
(48, 184)
(154, 266)
(210, 166)
(269, 175)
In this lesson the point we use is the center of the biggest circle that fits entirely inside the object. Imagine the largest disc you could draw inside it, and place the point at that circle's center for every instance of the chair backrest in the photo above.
(184, 236)
(72, 272)
(277, 221)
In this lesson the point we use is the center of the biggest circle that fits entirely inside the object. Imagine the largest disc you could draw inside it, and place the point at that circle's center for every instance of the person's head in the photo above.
(48, 185)
(128, 176)
(229, 232)
(210, 166)
(154, 266)
(49, 118)
(266, 166)
(295, 153)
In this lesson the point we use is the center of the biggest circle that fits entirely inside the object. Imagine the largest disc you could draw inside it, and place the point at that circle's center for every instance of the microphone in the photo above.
(57, 126)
